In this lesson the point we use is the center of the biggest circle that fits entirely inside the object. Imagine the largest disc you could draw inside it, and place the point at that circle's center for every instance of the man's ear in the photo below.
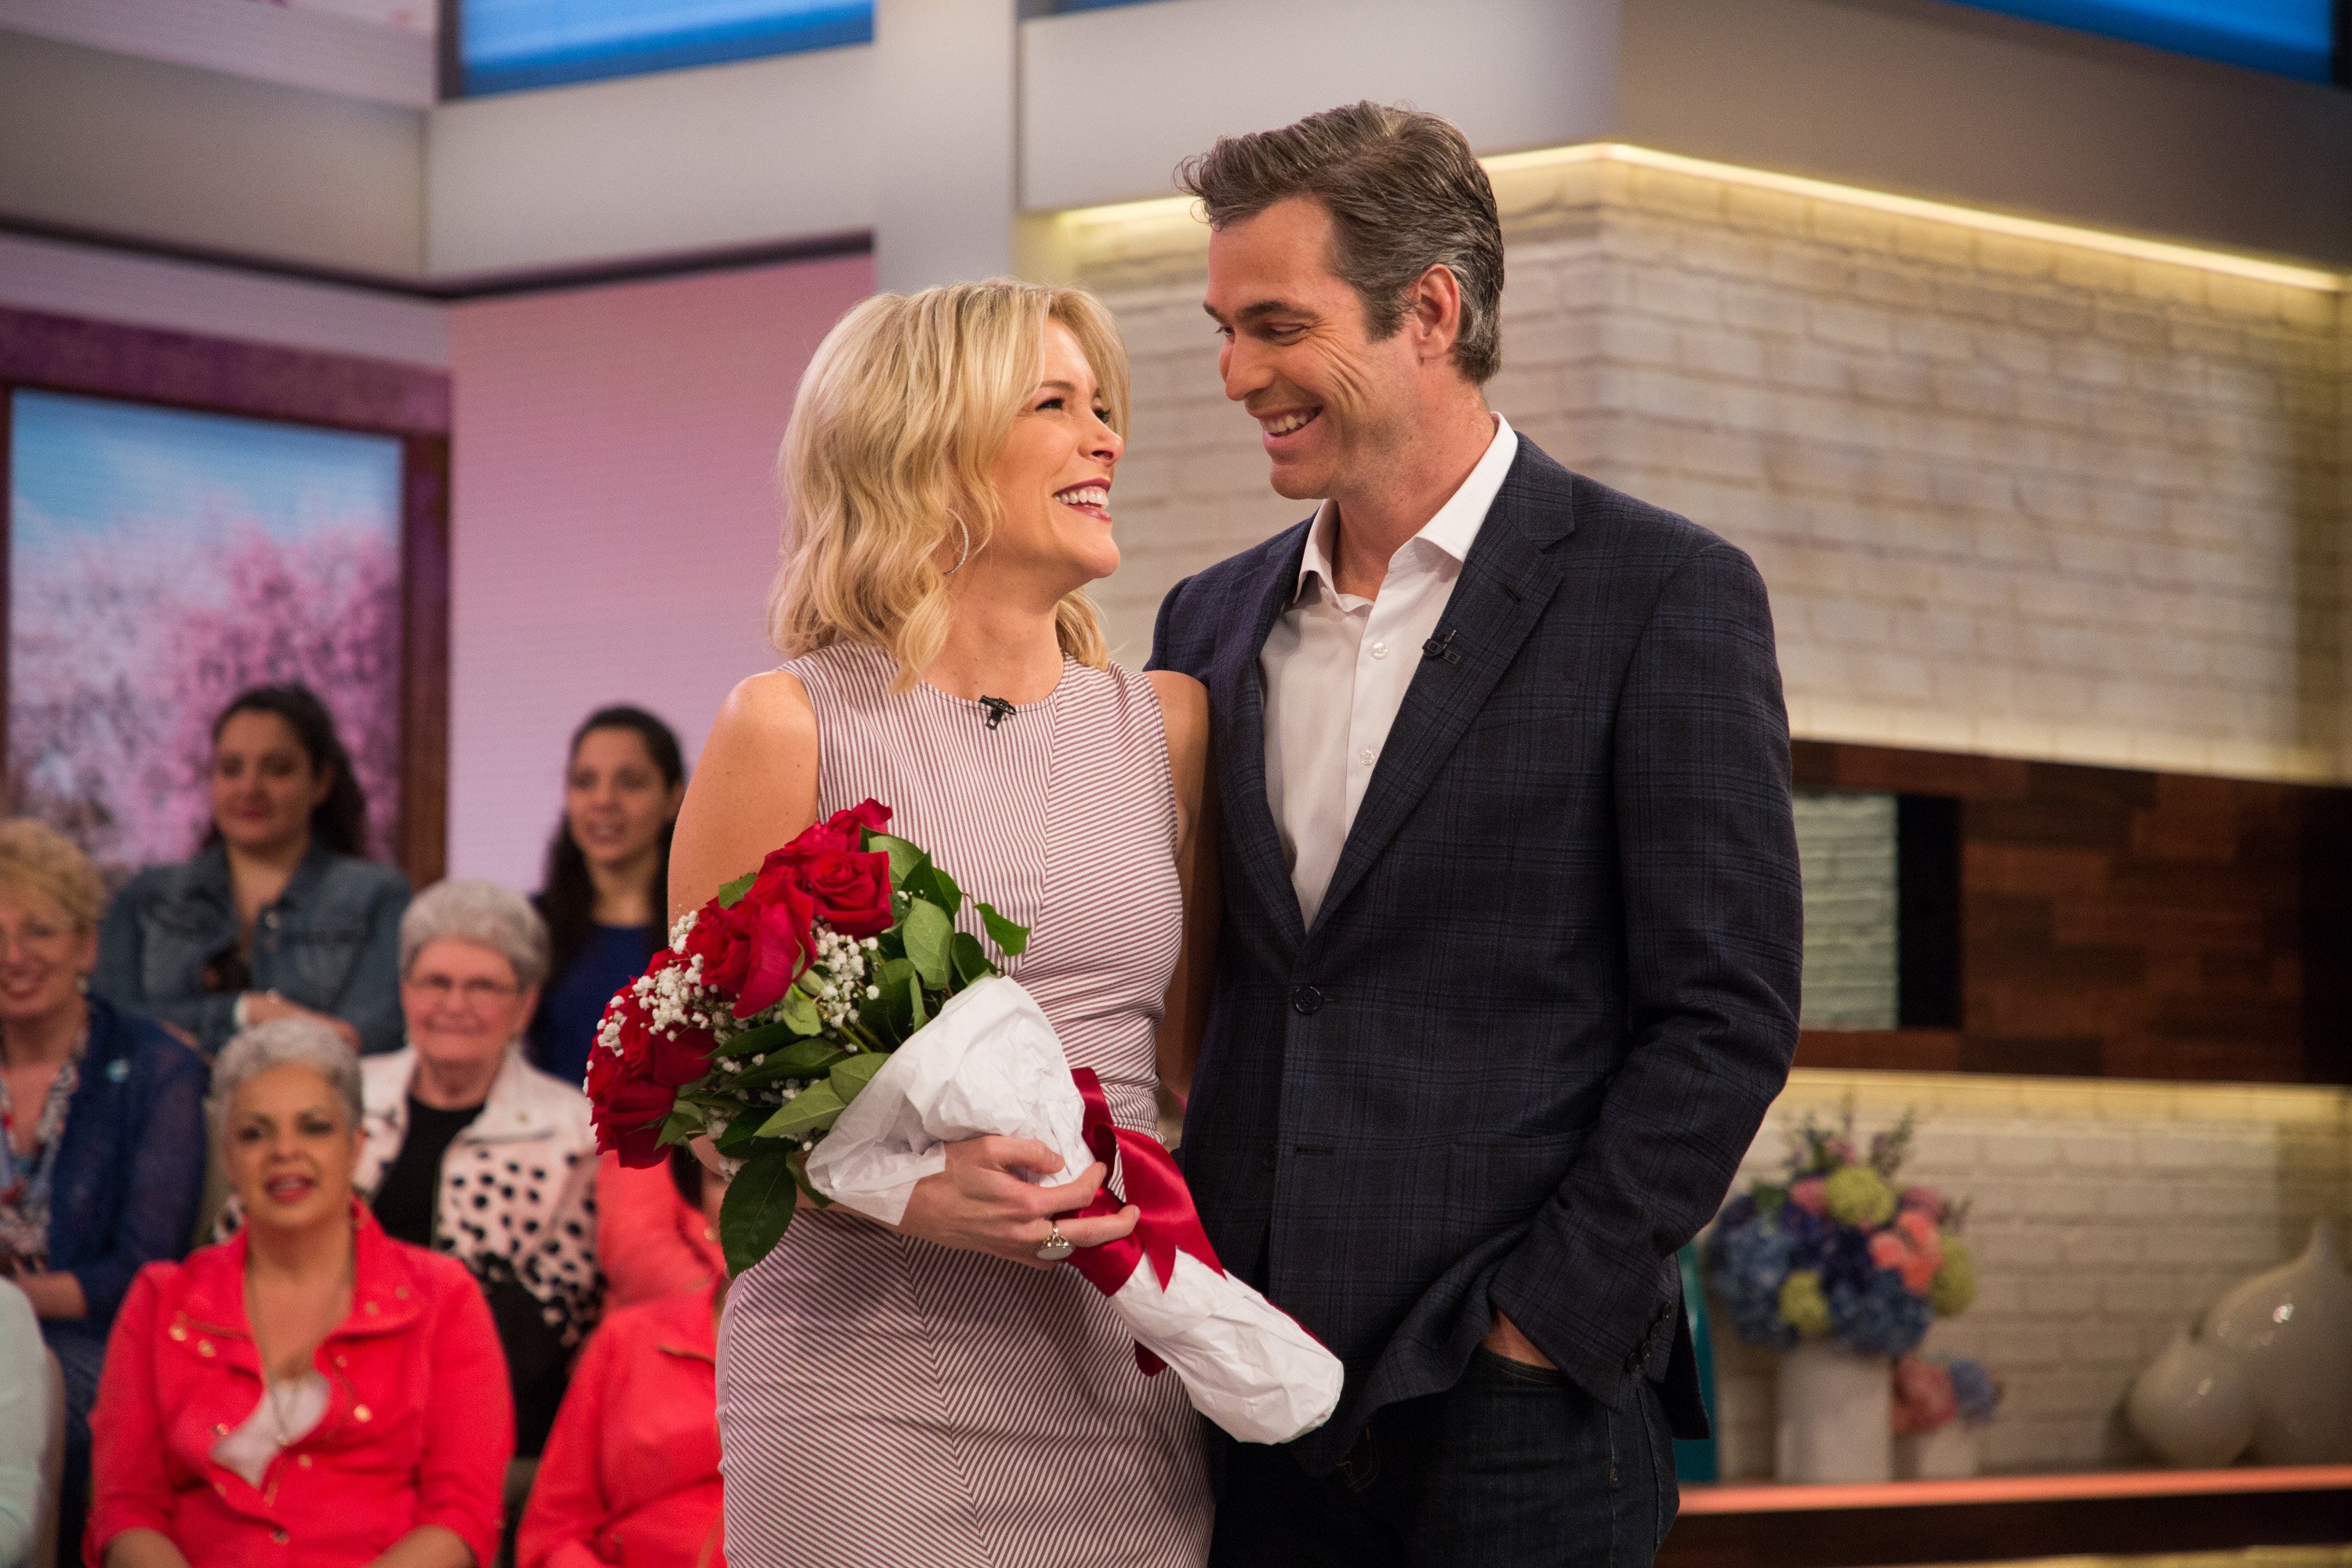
(1436, 311)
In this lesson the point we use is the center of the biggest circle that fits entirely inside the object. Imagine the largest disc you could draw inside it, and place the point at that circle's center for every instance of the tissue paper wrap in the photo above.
(991, 1064)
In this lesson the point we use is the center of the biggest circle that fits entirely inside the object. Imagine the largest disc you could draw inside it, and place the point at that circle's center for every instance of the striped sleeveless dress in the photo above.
(883, 1400)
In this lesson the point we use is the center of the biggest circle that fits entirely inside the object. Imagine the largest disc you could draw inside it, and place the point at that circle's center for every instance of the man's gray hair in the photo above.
(482, 913)
(1405, 194)
(286, 1042)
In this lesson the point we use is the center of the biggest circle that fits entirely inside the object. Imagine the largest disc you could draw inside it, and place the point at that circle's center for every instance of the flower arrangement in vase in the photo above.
(1941, 1403)
(1840, 1268)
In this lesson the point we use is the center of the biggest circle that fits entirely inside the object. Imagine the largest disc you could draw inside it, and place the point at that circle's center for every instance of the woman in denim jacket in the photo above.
(278, 914)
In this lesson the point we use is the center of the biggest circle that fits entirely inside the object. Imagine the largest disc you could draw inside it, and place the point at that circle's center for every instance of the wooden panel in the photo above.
(2004, 1517)
(2123, 923)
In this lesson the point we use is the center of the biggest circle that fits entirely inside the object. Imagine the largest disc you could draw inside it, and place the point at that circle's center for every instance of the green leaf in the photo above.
(812, 1111)
(742, 1138)
(905, 858)
(929, 933)
(853, 1073)
(799, 1157)
(681, 1126)
(800, 1013)
(733, 893)
(776, 1068)
(971, 959)
(759, 1207)
(897, 976)
(1012, 940)
(803, 1056)
(915, 1003)
(931, 882)
(766, 1037)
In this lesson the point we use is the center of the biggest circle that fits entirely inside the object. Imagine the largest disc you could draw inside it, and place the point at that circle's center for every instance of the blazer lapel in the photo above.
(1505, 585)
(1237, 705)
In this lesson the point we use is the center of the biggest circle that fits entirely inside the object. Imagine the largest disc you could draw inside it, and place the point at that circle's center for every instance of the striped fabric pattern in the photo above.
(885, 1400)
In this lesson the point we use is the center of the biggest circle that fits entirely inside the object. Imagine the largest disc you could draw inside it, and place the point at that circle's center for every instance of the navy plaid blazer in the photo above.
(1552, 988)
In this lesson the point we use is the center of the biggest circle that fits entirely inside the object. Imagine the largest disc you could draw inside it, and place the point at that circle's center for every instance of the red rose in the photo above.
(781, 941)
(722, 938)
(629, 1117)
(676, 1057)
(852, 892)
(843, 833)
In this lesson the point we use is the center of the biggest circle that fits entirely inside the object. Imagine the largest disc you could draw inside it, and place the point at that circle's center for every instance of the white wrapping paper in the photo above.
(990, 1063)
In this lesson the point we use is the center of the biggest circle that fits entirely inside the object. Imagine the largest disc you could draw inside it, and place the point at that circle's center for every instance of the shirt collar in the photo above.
(1453, 530)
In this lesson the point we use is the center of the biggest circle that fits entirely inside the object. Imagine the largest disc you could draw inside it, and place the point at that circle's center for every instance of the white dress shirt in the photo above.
(1335, 668)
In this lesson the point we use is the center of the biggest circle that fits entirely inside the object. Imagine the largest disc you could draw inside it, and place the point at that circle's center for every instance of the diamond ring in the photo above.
(1055, 1246)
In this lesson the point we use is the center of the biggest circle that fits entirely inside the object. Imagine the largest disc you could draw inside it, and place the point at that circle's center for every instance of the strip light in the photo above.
(2255, 268)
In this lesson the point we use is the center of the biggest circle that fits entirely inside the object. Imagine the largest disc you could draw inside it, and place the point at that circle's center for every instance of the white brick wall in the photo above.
(2010, 496)
(2104, 1217)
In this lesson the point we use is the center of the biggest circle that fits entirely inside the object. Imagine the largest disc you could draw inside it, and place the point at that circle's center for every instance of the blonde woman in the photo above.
(941, 1394)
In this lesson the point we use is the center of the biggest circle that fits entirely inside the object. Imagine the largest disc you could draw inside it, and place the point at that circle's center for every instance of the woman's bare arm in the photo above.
(1184, 710)
(754, 788)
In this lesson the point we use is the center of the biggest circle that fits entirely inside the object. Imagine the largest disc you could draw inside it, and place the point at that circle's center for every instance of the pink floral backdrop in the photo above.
(124, 648)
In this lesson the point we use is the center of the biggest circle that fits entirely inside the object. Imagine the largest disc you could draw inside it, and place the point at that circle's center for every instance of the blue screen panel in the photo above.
(2291, 37)
(503, 45)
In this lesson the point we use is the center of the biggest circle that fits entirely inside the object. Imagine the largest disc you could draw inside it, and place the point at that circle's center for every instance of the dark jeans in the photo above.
(1513, 1466)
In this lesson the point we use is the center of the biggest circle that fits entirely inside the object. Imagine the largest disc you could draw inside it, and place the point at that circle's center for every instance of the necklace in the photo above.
(25, 1181)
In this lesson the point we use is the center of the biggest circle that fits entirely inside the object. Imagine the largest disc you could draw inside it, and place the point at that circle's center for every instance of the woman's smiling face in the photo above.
(290, 1148)
(1052, 475)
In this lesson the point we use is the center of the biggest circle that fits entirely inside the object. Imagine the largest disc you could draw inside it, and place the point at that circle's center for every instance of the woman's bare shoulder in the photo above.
(754, 786)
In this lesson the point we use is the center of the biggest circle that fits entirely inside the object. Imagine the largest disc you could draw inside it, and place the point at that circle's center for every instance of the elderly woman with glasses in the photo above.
(472, 1150)
(309, 1391)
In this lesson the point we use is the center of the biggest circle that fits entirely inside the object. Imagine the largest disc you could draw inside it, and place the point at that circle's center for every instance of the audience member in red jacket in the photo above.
(650, 1241)
(630, 1476)
(356, 1413)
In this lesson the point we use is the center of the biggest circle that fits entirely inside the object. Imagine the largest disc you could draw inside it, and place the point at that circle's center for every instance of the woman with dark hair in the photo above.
(607, 869)
(278, 914)
(607, 872)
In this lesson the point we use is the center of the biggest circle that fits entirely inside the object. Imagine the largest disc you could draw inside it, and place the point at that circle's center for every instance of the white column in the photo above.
(944, 125)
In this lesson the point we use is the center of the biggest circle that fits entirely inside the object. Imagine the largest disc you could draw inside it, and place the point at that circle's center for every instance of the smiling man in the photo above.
(1509, 968)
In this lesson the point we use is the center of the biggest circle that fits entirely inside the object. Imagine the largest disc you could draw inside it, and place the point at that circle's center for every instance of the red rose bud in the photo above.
(678, 1057)
(628, 1122)
(852, 892)
(781, 942)
(722, 938)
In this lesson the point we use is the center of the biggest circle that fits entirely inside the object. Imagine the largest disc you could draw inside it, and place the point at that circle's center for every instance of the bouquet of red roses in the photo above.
(776, 1003)
(826, 1024)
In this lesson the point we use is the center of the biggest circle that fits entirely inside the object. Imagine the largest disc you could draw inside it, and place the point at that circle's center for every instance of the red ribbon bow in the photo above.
(1169, 1224)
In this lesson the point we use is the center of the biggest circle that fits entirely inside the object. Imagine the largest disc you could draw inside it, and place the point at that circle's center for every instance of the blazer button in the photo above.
(1306, 1000)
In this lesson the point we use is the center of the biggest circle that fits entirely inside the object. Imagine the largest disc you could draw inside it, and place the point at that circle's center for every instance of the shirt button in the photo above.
(179, 1331)
(362, 1413)
(303, 1460)
(1365, 756)
(277, 1537)
(204, 1347)
(342, 1360)
(1379, 650)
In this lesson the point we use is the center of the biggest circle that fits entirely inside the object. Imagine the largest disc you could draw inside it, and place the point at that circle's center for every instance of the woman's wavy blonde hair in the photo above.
(900, 417)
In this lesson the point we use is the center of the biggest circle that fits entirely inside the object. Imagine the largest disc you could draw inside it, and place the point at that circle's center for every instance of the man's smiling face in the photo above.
(1330, 401)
